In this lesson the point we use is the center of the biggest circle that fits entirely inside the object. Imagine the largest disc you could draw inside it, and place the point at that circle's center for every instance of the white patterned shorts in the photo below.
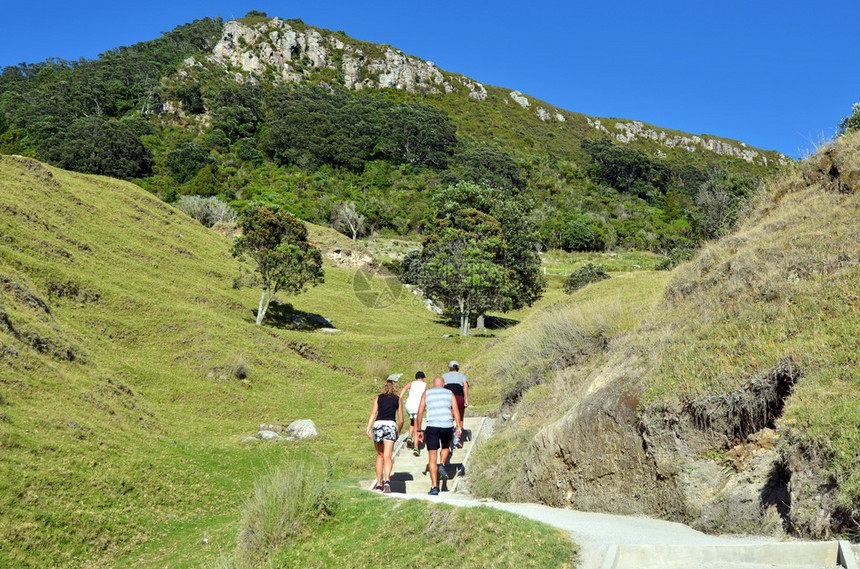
(384, 431)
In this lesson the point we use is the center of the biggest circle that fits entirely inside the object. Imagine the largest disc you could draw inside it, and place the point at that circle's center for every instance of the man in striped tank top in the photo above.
(443, 416)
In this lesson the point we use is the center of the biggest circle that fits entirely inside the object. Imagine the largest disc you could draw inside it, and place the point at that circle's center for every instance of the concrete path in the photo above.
(619, 542)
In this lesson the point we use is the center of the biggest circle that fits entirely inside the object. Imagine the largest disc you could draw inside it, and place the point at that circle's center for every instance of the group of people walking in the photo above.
(443, 404)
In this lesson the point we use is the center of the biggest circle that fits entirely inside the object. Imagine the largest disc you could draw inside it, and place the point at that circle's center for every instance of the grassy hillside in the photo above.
(131, 370)
(775, 299)
(783, 287)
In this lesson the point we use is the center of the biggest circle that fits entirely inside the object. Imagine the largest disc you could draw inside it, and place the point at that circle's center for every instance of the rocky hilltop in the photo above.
(290, 52)
(258, 50)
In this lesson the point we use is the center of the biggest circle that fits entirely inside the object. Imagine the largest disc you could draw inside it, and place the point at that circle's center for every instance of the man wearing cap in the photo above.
(443, 417)
(458, 384)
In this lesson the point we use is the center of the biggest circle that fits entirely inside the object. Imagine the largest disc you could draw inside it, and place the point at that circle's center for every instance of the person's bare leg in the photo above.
(443, 455)
(380, 457)
(388, 462)
(431, 466)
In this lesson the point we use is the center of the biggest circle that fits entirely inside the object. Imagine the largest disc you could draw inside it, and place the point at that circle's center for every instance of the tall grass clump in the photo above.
(207, 211)
(283, 505)
(561, 336)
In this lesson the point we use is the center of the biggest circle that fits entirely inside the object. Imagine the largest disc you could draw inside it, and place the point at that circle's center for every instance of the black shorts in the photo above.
(436, 437)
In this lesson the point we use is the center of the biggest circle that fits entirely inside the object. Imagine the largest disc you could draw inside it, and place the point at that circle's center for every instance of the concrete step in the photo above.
(410, 473)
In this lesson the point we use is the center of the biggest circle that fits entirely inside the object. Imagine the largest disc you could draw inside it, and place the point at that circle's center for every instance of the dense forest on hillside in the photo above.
(136, 113)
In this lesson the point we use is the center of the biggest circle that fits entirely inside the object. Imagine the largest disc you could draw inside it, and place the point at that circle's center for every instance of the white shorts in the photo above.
(384, 431)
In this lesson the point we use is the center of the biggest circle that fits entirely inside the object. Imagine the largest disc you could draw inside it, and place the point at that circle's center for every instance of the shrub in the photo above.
(411, 267)
(578, 235)
(246, 150)
(217, 138)
(584, 275)
(207, 211)
(675, 257)
(852, 122)
(204, 183)
(187, 160)
(283, 504)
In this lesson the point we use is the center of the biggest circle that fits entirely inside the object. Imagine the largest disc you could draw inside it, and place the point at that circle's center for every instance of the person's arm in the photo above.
(466, 392)
(455, 409)
(399, 413)
(420, 416)
(373, 413)
(402, 393)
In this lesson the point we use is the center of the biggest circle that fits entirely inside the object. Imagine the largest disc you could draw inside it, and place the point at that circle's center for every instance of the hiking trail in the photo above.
(612, 541)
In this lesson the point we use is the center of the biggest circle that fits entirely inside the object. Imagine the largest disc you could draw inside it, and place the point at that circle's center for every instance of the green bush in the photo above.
(283, 505)
(583, 276)
(411, 267)
(578, 235)
(246, 150)
(217, 138)
(852, 122)
(204, 183)
(186, 161)
(675, 258)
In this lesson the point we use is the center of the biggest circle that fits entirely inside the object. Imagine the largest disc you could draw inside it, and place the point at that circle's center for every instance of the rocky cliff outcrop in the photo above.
(288, 52)
(595, 459)
(628, 131)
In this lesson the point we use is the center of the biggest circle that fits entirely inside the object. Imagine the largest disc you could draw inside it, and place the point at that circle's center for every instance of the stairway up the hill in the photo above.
(410, 474)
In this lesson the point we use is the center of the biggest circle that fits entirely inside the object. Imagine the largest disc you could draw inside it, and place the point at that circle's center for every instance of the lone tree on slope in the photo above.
(523, 284)
(463, 264)
(278, 243)
(345, 217)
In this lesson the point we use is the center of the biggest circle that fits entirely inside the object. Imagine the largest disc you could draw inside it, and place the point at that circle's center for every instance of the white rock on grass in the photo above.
(302, 429)
(270, 436)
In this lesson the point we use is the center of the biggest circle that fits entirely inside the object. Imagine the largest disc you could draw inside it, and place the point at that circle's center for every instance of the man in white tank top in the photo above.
(443, 416)
(416, 389)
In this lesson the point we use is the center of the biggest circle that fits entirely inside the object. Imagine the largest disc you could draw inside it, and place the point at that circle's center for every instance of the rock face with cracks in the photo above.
(712, 463)
(289, 51)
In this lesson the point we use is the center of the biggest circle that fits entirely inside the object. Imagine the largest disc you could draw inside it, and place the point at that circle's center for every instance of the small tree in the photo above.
(204, 183)
(719, 202)
(523, 284)
(411, 267)
(278, 243)
(578, 234)
(345, 217)
(463, 267)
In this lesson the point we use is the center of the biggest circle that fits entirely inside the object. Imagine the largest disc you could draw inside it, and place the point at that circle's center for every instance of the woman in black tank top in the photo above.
(383, 428)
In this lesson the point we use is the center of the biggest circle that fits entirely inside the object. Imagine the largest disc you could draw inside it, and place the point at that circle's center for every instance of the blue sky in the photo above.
(776, 75)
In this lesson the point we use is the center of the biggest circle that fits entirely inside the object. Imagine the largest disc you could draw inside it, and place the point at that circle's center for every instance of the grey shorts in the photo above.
(384, 431)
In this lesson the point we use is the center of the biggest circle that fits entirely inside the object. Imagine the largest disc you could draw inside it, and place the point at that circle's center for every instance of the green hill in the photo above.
(726, 397)
(131, 370)
(278, 110)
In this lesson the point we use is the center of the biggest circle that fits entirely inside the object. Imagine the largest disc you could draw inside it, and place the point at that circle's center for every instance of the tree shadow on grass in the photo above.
(287, 317)
(490, 323)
